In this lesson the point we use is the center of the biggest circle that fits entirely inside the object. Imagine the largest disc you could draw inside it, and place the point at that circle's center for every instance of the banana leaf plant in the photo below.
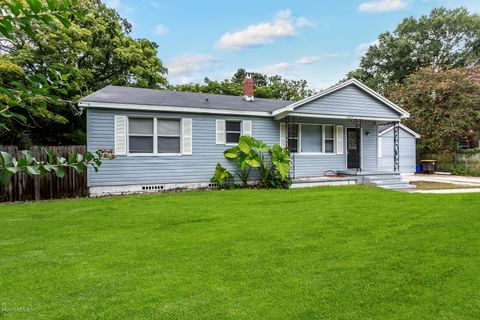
(222, 176)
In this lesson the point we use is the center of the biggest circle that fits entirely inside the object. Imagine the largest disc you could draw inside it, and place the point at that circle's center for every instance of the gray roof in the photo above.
(154, 97)
(382, 128)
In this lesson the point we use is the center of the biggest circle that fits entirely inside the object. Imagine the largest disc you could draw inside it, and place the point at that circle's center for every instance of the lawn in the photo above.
(352, 252)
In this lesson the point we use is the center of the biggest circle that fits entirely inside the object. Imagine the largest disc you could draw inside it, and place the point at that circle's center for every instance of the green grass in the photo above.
(325, 253)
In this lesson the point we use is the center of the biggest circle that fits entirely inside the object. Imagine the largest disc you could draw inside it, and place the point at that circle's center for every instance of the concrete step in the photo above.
(389, 182)
(399, 187)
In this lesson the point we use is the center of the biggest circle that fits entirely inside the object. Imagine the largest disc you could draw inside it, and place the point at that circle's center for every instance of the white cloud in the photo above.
(276, 68)
(383, 5)
(189, 63)
(302, 22)
(308, 60)
(362, 48)
(263, 33)
(160, 30)
(120, 6)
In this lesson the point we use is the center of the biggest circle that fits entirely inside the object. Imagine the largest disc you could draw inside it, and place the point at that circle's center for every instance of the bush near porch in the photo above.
(331, 253)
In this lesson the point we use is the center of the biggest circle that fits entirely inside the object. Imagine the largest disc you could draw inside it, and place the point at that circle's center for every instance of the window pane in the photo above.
(168, 145)
(233, 137)
(311, 138)
(328, 146)
(140, 126)
(293, 145)
(232, 126)
(295, 131)
(140, 144)
(168, 127)
(329, 132)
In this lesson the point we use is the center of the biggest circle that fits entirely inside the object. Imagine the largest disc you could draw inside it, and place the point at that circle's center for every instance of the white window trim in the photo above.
(154, 137)
(233, 144)
(323, 153)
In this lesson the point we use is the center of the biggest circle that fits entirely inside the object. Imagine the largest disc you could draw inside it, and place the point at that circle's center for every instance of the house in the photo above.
(166, 139)
(407, 149)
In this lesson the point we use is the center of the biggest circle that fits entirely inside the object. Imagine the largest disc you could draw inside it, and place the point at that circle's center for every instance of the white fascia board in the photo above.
(141, 107)
(329, 116)
(291, 107)
(404, 127)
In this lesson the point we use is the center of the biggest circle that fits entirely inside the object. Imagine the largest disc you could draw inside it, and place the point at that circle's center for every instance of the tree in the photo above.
(444, 106)
(273, 87)
(94, 51)
(441, 40)
(20, 101)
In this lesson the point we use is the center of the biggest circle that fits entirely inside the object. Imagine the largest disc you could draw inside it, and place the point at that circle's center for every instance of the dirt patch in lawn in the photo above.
(433, 185)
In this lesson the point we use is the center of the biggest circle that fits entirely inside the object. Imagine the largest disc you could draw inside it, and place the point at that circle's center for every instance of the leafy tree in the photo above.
(20, 102)
(259, 79)
(273, 87)
(443, 39)
(93, 51)
(444, 106)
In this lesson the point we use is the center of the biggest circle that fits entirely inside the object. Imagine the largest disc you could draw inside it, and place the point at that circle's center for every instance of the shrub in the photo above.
(222, 177)
(466, 169)
(251, 153)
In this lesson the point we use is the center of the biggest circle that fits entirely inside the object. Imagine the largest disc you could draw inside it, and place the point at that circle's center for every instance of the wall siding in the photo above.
(199, 167)
(349, 101)
(407, 152)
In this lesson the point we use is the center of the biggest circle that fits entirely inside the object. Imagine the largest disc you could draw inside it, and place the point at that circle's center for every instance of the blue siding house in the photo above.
(166, 139)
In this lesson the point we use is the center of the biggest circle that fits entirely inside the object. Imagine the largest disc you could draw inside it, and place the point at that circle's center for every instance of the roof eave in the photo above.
(139, 107)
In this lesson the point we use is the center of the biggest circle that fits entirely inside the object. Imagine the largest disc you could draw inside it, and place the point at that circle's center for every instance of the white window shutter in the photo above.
(247, 128)
(187, 147)
(120, 135)
(339, 139)
(220, 132)
(379, 147)
(283, 135)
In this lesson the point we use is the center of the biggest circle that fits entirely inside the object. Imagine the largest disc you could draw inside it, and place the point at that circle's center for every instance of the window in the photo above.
(314, 138)
(140, 135)
(168, 136)
(232, 131)
(329, 139)
(293, 139)
(311, 140)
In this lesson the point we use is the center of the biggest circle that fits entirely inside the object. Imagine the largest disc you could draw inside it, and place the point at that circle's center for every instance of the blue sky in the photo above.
(319, 41)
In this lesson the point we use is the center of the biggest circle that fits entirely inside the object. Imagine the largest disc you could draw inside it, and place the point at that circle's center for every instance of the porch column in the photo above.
(290, 132)
(396, 147)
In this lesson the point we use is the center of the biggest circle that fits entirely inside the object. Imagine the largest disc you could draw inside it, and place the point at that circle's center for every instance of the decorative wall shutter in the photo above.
(247, 128)
(120, 135)
(187, 147)
(283, 135)
(379, 146)
(339, 139)
(220, 132)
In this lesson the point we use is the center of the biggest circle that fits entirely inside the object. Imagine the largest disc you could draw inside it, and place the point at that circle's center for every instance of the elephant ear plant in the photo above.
(251, 153)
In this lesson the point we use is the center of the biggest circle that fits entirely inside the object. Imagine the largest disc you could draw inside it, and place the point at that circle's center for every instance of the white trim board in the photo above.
(404, 127)
(106, 105)
(291, 107)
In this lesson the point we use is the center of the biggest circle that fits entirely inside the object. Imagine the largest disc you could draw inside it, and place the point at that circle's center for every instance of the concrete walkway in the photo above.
(446, 178)
(448, 190)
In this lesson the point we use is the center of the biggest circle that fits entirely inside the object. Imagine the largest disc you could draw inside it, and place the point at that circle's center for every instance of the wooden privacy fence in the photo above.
(24, 187)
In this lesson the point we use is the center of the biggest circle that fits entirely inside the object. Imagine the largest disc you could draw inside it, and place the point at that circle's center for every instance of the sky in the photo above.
(316, 40)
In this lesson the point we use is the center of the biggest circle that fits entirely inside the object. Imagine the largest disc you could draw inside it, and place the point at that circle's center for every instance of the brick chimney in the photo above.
(248, 87)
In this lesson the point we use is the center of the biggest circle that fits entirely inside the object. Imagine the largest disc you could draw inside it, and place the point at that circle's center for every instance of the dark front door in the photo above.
(353, 148)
